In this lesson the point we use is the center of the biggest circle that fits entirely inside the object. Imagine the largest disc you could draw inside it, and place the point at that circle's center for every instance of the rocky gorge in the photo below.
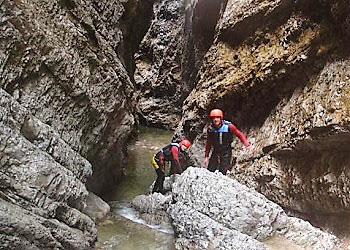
(78, 76)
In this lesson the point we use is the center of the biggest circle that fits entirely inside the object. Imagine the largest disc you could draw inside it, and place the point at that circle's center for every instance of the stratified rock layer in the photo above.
(42, 185)
(279, 71)
(67, 109)
(59, 60)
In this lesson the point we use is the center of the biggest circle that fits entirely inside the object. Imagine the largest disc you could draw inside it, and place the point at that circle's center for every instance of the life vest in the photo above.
(167, 151)
(220, 137)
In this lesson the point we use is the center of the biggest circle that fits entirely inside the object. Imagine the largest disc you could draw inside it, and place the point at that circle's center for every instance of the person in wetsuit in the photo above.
(220, 135)
(169, 153)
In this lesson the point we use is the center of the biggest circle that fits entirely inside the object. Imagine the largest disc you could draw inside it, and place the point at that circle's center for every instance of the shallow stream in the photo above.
(123, 230)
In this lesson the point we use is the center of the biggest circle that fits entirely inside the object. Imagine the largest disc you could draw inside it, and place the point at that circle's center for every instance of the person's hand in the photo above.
(206, 161)
(250, 148)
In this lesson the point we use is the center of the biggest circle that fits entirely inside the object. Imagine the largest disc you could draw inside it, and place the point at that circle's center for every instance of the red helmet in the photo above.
(216, 113)
(185, 142)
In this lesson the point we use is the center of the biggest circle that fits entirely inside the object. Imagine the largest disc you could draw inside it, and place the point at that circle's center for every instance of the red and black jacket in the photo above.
(221, 138)
(170, 153)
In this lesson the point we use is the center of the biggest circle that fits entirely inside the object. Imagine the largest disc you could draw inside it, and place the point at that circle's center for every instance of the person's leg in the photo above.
(213, 162)
(158, 185)
(225, 163)
(158, 164)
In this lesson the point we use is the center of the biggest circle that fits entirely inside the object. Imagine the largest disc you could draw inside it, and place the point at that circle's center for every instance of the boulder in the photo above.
(212, 211)
(95, 207)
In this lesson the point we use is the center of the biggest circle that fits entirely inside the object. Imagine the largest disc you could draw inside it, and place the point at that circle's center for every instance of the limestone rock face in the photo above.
(279, 71)
(242, 68)
(212, 211)
(305, 148)
(67, 109)
(59, 60)
(42, 185)
(158, 65)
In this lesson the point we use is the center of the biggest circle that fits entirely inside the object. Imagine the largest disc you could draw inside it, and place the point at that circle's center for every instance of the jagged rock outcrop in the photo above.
(211, 211)
(42, 185)
(67, 110)
(279, 70)
(60, 60)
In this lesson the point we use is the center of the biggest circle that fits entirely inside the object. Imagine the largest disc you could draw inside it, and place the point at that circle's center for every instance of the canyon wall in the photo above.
(170, 55)
(280, 72)
(67, 111)
(77, 75)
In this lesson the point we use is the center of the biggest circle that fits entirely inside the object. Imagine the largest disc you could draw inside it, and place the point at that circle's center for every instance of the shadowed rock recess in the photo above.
(170, 55)
(77, 75)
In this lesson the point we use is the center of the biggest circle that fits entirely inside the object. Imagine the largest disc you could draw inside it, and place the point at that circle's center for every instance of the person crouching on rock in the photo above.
(169, 153)
(219, 138)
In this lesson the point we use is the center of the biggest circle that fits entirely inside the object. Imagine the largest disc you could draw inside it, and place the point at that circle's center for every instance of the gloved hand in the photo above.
(206, 162)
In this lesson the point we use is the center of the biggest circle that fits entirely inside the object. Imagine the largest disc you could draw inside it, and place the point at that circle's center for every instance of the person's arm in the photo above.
(208, 146)
(176, 162)
(239, 134)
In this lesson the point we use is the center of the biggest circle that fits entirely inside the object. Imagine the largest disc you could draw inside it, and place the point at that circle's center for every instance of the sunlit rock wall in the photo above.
(279, 71)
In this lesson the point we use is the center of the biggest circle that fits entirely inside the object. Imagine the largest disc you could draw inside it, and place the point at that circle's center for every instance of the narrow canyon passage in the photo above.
(77, 78)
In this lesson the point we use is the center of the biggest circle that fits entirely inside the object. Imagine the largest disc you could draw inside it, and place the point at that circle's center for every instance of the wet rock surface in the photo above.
(211, 211)
(96, 208)
(153, 207)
